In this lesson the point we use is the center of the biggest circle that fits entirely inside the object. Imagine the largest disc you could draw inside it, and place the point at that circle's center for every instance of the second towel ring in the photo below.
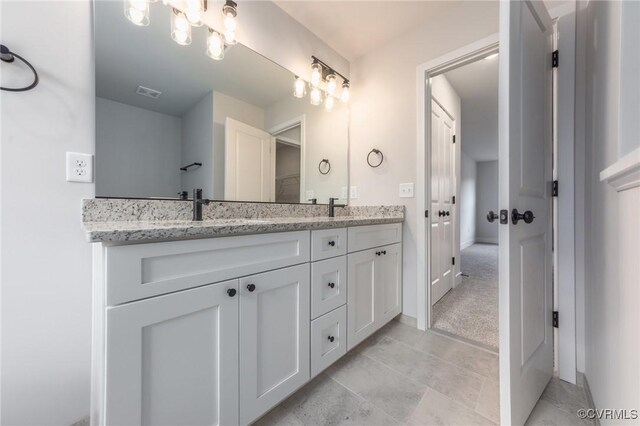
(328, 167)
(378, 152)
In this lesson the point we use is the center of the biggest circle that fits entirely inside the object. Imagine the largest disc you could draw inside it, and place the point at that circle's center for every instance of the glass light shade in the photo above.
(193, 13)
(345, 95)
(180, 28)
(230, 22)
(332, 84)
(316, 96)
(215, 45)
(329, 102)
(230, 38)
(316, 74)
(137, 11)
(299, 88)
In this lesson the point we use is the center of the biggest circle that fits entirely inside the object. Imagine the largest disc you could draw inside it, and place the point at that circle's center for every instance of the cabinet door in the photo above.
(274, 338)
(388, 283)
(174, 359)
(361, 307)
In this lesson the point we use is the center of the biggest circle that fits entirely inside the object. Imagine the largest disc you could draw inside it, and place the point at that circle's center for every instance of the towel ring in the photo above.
(328, 167)
(378, 152)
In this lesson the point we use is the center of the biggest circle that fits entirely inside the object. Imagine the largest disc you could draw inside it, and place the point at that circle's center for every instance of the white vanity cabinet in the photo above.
(375, 279)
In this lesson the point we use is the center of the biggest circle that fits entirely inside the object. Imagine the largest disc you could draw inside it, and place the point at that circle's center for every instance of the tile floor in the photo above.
(402, 376)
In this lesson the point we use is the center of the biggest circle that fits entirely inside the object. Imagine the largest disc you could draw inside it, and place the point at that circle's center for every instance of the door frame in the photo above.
(284, 126)
(424, 73)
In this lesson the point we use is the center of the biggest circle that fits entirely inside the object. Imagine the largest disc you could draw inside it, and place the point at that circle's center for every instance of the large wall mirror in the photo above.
(170, 119)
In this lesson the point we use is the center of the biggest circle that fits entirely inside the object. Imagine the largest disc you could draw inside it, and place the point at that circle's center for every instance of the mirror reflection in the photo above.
(170, 119)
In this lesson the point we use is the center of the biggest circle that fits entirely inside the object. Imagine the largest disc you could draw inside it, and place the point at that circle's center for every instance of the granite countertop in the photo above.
(137, 231)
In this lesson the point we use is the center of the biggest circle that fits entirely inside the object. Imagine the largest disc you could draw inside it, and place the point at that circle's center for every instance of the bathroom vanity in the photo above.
(220, 329)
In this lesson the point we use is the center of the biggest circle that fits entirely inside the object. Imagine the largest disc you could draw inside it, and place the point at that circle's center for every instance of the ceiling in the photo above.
(128, 56)
(477, 86)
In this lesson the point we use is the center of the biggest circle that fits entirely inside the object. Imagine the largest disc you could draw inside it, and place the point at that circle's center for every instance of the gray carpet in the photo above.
(471, 309)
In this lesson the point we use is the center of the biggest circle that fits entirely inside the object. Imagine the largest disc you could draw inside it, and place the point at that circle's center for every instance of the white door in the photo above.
(442, 191)
(361, 296)
(274, 338)
(249, 163)
(388, 283)
(174, 359)
(526, 338)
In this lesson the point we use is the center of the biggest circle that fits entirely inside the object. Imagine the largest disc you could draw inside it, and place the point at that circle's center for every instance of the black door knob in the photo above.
(526, 216)
(492, 216)
(331, 338)
(251, 287)
(447, 213)
(332, 285)
(384, 252)
(378, 253)
(332, 243)
(231, 292)
(440, 213)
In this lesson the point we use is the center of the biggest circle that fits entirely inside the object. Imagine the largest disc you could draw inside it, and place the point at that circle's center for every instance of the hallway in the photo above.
(470, 310)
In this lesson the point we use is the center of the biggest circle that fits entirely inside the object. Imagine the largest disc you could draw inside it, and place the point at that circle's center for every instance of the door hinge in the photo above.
(554, 59)
(426, 213)
(453, 260)
(555, 319)
(555, 188)
(453, 199)
(454, 138)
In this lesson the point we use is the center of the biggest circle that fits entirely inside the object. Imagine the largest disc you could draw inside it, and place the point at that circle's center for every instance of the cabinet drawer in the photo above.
(365, 237)
(328, 339)
(326, 243)
(143, 270)
(328, 285)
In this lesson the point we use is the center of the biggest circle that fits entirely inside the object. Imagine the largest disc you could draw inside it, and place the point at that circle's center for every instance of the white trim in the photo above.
(487, 240)
(467, 244)
(624, 173)
(456, 58)
(290, 124)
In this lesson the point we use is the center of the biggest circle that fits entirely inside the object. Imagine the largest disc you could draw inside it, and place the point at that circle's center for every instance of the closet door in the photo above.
(442, 212)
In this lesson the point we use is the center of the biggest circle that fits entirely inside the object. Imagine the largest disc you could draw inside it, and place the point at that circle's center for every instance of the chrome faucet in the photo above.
(333, 205)
(198, 201)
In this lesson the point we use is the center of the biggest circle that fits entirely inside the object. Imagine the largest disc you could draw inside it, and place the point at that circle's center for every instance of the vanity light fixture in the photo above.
(180, 28)
(230, 21)
(215, 45)
(332, 84)
(345, 95)
(315, 96)
(137, 11)
(329, 102)
(299, 87)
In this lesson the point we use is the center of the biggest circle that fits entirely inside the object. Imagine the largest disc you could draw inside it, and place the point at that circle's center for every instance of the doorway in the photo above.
(464, 189)
(288, 161)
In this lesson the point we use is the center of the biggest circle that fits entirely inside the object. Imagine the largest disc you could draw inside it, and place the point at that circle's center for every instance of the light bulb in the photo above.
(316, 96)
(299, 88)
(230, 22)
(137, 11)
(316, 74)
(329, 101)
(344, 96)
(332, 84)
(215, 45)
(180, 28)
(230, 38)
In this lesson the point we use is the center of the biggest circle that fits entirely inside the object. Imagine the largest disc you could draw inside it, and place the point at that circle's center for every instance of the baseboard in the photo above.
(458, 280)
(486, 240)
(407, 320)
(467, 244)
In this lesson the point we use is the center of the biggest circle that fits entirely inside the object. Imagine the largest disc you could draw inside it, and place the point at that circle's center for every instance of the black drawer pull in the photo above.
(251, 287)
(331, 338)
(332, 285)
(332, 243)
(231, 292)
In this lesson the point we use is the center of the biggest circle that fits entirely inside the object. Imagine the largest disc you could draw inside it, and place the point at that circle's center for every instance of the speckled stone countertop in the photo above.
(121, 221)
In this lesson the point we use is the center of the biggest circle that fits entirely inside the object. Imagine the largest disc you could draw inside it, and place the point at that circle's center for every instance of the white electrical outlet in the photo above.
(79, 167)
(406, 190)
(353, 194)
(345, 193)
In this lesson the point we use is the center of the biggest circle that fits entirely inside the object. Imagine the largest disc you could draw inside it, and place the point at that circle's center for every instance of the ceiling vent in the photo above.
(149, 93)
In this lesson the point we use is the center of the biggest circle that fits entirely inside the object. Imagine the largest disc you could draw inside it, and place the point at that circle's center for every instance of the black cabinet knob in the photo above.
(378, 253)
(384, 252)
(332, 285)
(251, 287)
(526, 216)
(440, 213)
(332, 243)
(448, 213)
(492, 216)
(231, 292)
(331, 338)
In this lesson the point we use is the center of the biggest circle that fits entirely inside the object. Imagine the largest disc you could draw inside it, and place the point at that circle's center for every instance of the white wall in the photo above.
(139, 151)
(197, 147)
(383, 115)
(611, 347)
(468, 176)
(487, 199)
(46, 262)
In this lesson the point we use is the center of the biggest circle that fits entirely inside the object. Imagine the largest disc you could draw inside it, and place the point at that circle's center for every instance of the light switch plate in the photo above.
(345, 193)
(353, 194)
(79, 167)
(406, 190)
